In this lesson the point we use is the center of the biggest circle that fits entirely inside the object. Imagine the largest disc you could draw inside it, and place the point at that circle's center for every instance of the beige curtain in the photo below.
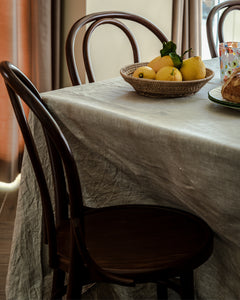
(28, 39)
(186, 26)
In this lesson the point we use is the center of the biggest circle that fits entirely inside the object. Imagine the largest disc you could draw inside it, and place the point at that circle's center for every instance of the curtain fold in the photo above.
(186, 26)
(30, 38)
(56, 54)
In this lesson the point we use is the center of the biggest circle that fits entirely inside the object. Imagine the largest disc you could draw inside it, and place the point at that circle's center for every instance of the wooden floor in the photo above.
(8, 202)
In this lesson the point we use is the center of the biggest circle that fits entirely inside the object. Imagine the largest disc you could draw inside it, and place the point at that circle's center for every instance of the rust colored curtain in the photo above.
(186, 26)
(30, 38)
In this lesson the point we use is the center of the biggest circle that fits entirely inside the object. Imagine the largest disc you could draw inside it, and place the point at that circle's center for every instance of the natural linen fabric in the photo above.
(186, 26)
(134, 149)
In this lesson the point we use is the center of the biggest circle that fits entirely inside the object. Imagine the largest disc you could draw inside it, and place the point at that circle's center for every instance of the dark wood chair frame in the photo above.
(228, 6)
(97, 19)
(170, 243)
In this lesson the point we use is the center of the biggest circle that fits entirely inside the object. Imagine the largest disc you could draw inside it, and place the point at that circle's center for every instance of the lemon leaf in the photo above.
(168, 47)
(177, 60)
(189, 50)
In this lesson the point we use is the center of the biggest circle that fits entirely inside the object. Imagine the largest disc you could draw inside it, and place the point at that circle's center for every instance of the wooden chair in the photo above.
(126, 244)
(95, 20)
(224, 8)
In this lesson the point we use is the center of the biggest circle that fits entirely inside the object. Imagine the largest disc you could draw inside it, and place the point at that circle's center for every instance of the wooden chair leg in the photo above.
(162, 291)
(75, 279)
(58, 288)
(74, 288)
(187, 285)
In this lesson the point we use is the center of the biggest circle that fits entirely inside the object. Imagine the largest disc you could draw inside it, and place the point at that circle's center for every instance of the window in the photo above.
(230, 31)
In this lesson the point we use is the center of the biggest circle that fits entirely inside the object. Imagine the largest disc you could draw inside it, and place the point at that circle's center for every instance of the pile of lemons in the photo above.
(172, 67)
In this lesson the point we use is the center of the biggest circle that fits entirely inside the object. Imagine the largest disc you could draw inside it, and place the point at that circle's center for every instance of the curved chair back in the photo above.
(95, 20)
(20, 88)
(228, 6)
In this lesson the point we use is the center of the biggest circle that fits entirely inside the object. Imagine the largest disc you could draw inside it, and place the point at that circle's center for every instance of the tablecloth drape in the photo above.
(132, 149)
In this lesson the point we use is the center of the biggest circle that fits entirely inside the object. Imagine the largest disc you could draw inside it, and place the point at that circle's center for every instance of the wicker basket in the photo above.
(163, 89)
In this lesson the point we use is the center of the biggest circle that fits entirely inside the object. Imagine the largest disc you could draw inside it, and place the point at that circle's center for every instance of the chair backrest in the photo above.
(64, 170)
(97, 19)
(225, 8)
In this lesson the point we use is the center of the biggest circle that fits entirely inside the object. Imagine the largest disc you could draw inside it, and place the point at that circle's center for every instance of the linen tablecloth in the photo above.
(133, 149)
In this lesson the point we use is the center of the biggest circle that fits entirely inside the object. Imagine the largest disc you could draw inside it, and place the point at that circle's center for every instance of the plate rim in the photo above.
(223, 102)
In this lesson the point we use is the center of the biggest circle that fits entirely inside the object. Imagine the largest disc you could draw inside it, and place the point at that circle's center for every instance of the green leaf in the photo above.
(168, 47)
(189, 50)
(177, 60)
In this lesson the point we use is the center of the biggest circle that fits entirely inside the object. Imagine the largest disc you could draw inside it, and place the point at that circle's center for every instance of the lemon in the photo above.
(193, 68)
(169, 73)
(160, 61)
(144, 72)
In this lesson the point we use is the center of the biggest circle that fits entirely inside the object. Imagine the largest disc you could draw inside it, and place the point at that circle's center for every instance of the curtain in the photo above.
(186, 26)
(29, 31)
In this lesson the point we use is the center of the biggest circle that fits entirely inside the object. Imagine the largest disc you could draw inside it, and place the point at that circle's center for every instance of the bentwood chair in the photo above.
(126, 244)
(94, 20)
(224, 9)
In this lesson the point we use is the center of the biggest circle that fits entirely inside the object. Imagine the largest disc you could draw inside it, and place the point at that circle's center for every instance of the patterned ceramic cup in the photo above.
(229, 54)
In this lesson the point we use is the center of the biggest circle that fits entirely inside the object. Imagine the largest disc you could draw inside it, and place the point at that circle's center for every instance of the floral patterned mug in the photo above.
(229, 54)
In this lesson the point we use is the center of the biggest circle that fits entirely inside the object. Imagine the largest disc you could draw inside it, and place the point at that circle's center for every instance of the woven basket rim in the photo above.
(136, 65)
(160, 88)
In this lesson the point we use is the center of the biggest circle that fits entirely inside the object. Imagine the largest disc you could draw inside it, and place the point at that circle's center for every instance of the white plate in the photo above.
(216, 96)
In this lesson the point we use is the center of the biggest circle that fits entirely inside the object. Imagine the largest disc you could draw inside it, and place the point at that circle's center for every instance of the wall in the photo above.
(110, 49)
(231, 27)
(72, 11)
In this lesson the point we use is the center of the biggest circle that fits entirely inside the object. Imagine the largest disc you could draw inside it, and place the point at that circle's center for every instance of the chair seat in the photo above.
(173, 240)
